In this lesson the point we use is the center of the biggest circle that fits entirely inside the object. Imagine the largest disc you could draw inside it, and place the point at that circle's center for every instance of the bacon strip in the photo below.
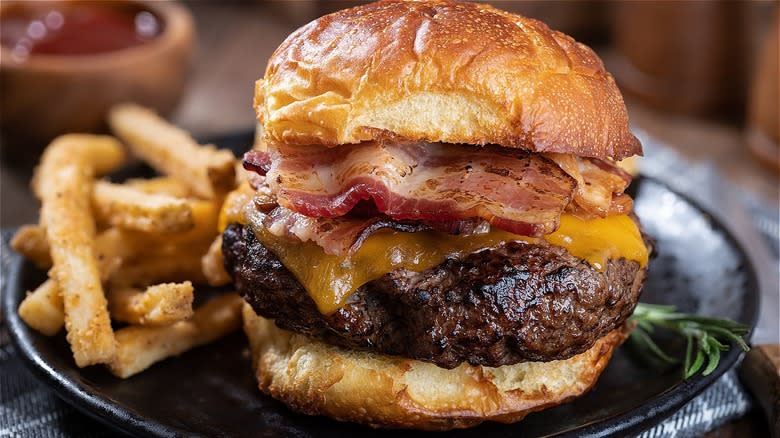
(337, 236)
(437, 183)
(341, 235)
(600, 185)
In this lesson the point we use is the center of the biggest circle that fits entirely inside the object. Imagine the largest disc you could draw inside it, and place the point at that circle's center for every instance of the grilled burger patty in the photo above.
(512, 303)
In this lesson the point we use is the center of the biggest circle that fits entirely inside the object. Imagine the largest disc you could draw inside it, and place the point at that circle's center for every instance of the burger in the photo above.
(434, 231)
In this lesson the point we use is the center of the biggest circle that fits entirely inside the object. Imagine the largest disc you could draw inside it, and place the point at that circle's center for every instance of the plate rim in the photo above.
(120, 418)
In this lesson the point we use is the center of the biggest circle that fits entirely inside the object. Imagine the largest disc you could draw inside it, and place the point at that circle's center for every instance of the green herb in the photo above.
(706, 337)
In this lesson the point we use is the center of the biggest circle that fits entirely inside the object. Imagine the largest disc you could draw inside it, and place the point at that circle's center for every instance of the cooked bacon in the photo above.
(341, 235)
(337, 236)
(600, 185)
(435, 183)
(257, 161)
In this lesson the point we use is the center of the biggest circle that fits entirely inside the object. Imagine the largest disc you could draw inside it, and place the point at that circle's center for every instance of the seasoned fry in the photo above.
(205, 215)
(161, 304)
(139, 347)
(30, 241)
(213, 265)
(126, 207)
(113, 248)
(161, 185)
(64, 185)
(104, 153)
(42, 309)
(152, 231)
(157, 268)
(208, 172)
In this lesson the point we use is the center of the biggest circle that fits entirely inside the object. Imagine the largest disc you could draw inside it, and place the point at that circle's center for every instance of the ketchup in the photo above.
(54, 28)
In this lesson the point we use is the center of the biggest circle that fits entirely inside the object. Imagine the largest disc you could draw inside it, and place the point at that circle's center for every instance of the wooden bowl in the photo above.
(48, 95)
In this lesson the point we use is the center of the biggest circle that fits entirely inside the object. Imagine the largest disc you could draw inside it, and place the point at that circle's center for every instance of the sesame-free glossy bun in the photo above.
(383, 391)
(441, 72)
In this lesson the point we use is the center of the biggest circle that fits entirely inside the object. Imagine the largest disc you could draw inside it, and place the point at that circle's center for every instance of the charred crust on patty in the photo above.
(511, 303)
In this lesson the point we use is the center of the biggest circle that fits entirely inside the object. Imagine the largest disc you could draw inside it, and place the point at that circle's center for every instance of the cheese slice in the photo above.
(331, 279)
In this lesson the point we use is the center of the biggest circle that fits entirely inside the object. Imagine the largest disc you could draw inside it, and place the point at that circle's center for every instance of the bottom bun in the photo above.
(385, 391)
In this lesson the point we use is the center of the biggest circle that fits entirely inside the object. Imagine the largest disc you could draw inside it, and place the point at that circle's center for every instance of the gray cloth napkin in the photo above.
(29, 409)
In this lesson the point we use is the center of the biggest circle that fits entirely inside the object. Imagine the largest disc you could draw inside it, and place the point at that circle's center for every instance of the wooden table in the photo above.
(235, 40)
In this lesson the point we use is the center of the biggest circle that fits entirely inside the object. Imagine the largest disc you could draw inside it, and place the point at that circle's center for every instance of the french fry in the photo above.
(213, 265)
(157, 268)
(161, 185)
(153, 257)
(42, 309)
(63, 182)
(207, 171)
(104, 152)
(30, 241)
(161, 304)
(139, 347)
(205, 215)
(113, 249)
(125, 207)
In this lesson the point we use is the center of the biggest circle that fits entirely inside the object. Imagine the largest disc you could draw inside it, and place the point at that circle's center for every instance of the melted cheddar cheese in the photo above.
(330, 279)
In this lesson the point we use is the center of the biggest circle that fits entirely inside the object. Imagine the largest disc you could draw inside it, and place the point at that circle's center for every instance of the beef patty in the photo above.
(512, 303)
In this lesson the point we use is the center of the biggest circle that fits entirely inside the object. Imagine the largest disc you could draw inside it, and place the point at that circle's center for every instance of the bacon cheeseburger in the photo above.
(434, 232)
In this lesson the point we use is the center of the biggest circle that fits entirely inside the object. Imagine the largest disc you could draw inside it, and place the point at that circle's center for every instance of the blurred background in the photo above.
(699, 76)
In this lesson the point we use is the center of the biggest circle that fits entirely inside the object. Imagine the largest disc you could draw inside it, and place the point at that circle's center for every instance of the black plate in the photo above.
(210, 391)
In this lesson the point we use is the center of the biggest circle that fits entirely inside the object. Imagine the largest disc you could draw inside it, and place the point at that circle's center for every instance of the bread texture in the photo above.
(441, 72)
(382, 391)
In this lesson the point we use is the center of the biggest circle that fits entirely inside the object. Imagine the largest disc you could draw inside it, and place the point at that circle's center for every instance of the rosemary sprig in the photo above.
(706, 337)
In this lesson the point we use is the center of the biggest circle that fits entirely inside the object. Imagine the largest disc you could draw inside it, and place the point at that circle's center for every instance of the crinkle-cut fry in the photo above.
(161, 304)
(30, 241)
(209, 172)
(64, 185)
(139, 347)
(161, 185)
(125, 207)
(213, 265)
(42, 309)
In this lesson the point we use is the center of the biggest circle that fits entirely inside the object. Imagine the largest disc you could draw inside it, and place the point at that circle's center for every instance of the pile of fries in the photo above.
(129, 253)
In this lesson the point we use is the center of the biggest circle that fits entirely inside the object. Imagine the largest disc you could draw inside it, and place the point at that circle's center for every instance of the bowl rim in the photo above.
(178, 30)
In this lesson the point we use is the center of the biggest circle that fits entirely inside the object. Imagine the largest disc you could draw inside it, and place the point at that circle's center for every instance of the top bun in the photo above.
(441, 72)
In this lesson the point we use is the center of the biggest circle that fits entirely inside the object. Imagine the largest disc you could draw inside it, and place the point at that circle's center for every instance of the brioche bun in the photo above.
(382, 391)
(441, 72)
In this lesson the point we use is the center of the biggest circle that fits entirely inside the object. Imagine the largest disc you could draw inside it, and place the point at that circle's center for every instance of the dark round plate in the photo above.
(210, 391)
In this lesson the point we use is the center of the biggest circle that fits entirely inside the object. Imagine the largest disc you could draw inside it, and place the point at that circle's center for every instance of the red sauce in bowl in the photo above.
(78, 28)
